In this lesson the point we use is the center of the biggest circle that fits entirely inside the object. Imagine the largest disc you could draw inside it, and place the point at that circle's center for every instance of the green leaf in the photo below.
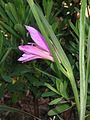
(1, 44)
(35, 82)
(55, 101)
(28, 15)
(13, 11)
(7, 78)
(63, 89)
(58, 82)
(8, 11)
(59, 109)
(83, 81)
(48, 94)
(20, 29)
(2, 3)
(74, 28)
(88, 57)
(3, 14)
(20, 8)
(51, 88)
(45, 73)
(47, 5)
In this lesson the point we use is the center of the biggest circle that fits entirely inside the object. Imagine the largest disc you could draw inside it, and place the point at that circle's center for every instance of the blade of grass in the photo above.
(88, 62)
(88, 57)
(82, 61)
(5, 56)
(11, 109)
(1, 44)
(7, 9)
(49, 75)
(9, 29)
(73, 28)
(51, 88)
(3, 14)
(13, 11)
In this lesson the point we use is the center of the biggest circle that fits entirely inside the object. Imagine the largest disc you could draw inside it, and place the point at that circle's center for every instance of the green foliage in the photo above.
(59, 24)
(14, 15)
(59, 109)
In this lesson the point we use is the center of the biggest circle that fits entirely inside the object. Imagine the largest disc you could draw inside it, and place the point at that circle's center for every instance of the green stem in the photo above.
(75, 91)
(82, 62)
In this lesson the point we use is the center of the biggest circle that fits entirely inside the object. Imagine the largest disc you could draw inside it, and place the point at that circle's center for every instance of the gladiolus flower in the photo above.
(37, 50)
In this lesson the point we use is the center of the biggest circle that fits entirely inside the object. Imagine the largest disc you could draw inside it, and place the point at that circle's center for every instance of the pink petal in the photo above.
(26, 58)
(34, 50)
(37, 38)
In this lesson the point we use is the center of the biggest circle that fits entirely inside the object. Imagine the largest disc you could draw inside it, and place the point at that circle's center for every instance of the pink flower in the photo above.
(37, 50)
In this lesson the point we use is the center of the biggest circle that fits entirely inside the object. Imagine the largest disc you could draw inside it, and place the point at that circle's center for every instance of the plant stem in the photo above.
(75, 91)
(82, 61)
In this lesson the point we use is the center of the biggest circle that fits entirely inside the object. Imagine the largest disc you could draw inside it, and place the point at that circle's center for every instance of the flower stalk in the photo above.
(83, 91)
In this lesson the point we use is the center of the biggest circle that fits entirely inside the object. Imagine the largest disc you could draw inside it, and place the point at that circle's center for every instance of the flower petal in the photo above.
(26, 57)
(38, 38)
(34, 50)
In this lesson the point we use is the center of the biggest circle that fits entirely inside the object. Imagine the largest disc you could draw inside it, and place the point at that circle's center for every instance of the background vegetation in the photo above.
(39, 78)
